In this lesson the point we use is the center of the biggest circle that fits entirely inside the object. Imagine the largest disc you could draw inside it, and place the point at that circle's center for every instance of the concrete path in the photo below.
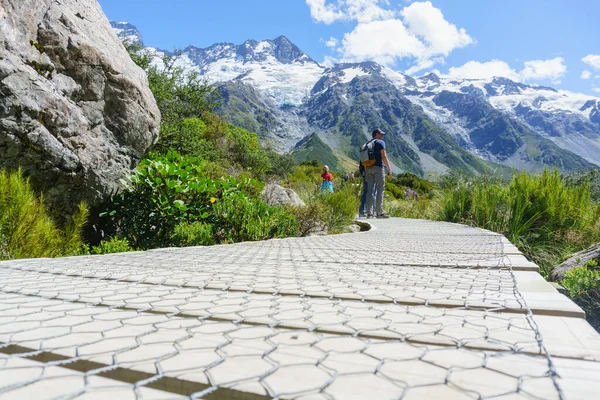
(411, 309)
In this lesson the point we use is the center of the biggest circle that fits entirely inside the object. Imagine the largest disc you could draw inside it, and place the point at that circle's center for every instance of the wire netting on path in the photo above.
(410, 310)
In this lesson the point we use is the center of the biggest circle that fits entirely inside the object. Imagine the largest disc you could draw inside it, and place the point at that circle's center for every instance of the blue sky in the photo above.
(548, 42)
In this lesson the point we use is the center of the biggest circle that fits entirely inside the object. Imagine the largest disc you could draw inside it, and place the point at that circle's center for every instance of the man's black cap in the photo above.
(376, 131)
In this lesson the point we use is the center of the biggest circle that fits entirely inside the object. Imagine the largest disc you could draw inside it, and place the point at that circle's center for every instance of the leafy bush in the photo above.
(166, 198)
(112, 245)
(193, 234)
(395, 191)
(186, 136)
(179, 94)
(165, 192)
(342, 207)
(407, 179)
(26, 229)
(305, 179)
(310, 217)
(583, 286)
(237, 217)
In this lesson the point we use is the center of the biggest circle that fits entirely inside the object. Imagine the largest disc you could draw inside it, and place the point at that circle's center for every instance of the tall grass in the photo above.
(26, 229)
(540, 213)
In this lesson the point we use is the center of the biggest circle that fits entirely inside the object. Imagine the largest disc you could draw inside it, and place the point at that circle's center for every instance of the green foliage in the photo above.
(306, 179)
(166, 196)
(112, 245)
(583, 286)
(310, 217)
(420, 209)
(395, 191)
(179, 95)
(186, 136)
(407, 179)
(341, 207)
(281, 164)
(540, 213)
(456, 202)
(196, 233)
(26, 229)
(590, 177)
(238, 217)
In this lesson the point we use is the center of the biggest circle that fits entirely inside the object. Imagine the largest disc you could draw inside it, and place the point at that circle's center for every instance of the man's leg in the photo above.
(379, 178)
(370, 177)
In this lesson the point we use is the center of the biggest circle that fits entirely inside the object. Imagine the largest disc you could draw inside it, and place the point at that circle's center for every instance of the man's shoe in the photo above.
(370, 216)
(382, 216)
(361, 215)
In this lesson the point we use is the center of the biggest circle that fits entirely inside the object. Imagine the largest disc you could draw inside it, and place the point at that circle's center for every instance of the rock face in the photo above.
(276, 195)
(76, 114)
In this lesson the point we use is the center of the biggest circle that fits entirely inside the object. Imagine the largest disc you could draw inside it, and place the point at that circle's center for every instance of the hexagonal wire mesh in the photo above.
(410, 310)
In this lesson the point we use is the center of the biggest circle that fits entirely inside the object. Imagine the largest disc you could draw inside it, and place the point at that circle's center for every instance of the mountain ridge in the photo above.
(430, 117)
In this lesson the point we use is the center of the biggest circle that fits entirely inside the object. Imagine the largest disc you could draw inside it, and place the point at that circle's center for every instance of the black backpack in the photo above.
(367, 153)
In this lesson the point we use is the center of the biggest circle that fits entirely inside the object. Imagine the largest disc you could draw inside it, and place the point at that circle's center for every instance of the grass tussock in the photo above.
(27, 230)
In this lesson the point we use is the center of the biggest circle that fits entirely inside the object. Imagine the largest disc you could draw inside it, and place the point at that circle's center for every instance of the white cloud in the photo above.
(485, 70)
(553, 70)
(596, 89)
(419, 32)
(325, 13)
(534, 70)
(381, 41)
(428, 23)
(332, 42)
(593, 60)
(586, 75)
(348, 10)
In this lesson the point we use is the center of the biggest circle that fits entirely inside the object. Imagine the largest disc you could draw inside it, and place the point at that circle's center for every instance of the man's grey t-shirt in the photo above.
(378, 146)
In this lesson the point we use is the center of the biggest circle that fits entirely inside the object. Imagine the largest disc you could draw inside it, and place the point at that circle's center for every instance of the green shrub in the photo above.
(456, 202)
(310, 217)
(26, 229)
(112, 245)
(342, 207)
(583, 286)
(187, 137)
(305, 180)
(407, 179)
(193, 234)
(395, 191)
(164, 193)
(237, 217)
(421, 209)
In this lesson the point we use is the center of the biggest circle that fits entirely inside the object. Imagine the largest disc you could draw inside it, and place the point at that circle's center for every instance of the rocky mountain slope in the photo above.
(434, 123)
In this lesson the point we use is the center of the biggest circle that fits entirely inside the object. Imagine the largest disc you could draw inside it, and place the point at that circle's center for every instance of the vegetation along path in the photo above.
(410, 309)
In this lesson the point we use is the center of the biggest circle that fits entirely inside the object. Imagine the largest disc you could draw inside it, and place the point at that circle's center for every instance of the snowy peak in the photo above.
(280, 50)
(347, 72)
(127, 33)
(504, 86)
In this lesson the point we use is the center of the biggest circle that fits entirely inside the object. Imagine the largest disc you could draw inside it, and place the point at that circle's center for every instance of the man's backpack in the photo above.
(367, 153)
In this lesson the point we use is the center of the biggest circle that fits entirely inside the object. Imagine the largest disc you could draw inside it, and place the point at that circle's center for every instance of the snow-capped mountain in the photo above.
(571, 120)
(127, 32)
(273, 88)
(276, 67)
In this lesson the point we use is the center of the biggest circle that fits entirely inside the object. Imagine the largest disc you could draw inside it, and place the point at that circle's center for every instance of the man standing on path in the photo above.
(375, 175)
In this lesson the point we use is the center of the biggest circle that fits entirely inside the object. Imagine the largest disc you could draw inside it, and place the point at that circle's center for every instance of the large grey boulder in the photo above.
(277, 195)
(76, 114)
